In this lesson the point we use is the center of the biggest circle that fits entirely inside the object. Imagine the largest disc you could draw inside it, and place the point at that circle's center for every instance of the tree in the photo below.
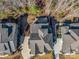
(65, 9)
(60, 9)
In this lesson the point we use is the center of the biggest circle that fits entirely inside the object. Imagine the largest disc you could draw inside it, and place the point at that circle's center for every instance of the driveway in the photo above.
(26, 51)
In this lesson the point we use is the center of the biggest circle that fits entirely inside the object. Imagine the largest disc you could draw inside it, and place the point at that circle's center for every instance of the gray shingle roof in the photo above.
(76, 31)
(34, 36)
(74, 35)
(67, 40)
(40, 38)
(74, 24)
(2, 47)
(48, 38)
(8, 42)
(34, 28)
(38, 44)
(75, 45)
(70, 41)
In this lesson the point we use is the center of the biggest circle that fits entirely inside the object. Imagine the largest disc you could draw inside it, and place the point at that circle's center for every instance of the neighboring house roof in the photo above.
(8, 38)
(74, 35)
(75, 46)
(2, 47)
(74, 24)
(70, 40)
(67, 40)
(12, 33)
(76, 31)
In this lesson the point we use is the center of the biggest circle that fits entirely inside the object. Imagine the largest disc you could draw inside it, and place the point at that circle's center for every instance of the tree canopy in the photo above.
(60, 9)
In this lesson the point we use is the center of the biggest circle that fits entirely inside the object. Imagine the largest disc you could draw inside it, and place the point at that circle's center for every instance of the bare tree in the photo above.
(65, 9)
(48, 6)
(60, 9)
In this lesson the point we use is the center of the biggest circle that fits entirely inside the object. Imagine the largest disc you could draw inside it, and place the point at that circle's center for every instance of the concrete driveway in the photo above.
(26, 51)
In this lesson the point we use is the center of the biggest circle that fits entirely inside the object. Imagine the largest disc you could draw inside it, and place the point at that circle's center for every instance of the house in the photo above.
(8, 38)
(40, 39)
(12, 34)
(70, 36)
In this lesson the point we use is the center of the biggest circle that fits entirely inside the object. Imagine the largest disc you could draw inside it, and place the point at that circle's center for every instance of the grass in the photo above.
(34, 9)
(76, 56)
(1, 1)
(15, 56)
(46, 56)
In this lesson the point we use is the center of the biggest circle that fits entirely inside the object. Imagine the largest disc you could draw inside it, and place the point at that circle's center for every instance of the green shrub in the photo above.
(34, 9)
